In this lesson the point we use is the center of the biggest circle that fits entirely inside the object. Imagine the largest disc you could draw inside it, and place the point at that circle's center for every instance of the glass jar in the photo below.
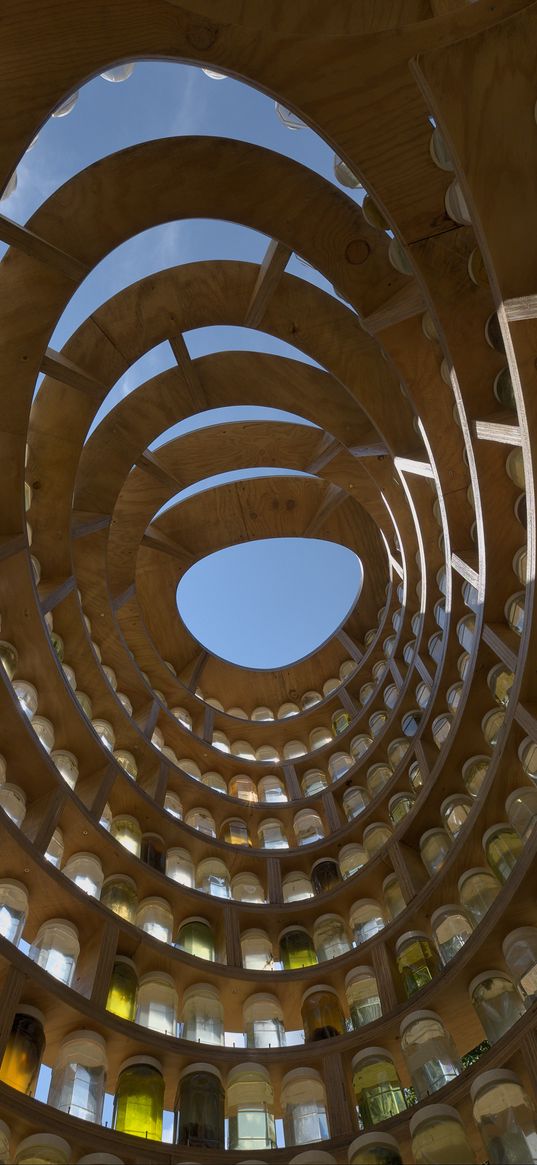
(351, 859)
(154, 916)
(394, 901)
(330, 937)
(173, 805)
(322, 1017)
(296, 886)
(429, 1052)
(123, 989)
(79, 1076)
(434, 848)
(377, 777)
(354, 801)
(417, 961)
(199, 1108)
(85, 703)
(362, 993)
(325, 875)
(203, 1014)
(314, 781)
(212, 877)
(477, 890)
(451, 928)
(153, 851)
(399, 805)
(374, 1149)
(503, 848)
(67, 766)
(9, 658)
(304, 1107)
(256, 949)
(246, 887)
(179, 866)
(270, 834)
(439, 1138)
(44, 730)
(127, 762)
(263, 1022)
(250, 1108)
(520, 953)
(24, 1050)
(119, 895)
(340, 721)
(13, 909)
(86, 871)
(474, 772)
(454, 812)
(296, 948)
(375, 837)
(521, 808)
(377, 1087)
(497, 1003)
(127, 832)
(27, 696)
(105, 732)
(366, 919)
(56, 948)
(195, 936)
(505, 1118)
(43, 1149)
(308, 827)
(235, 832)
(139, 1098)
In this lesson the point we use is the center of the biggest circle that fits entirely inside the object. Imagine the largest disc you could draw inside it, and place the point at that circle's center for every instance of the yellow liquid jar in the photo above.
(123, 989)
(25, 1046)
(139, 1099)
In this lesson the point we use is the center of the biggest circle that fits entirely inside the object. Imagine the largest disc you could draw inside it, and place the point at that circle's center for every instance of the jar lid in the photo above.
(403, 794)
(516, 936)
(415, 1017)
(84, 1034)
(494, 1076)
(319, 987)
(323, 862)
(364, 902)
(157, 977)
(471, 873)
(431, 1112)
(61, 924)
(390, 878)
(372, 1139)
(158, 837)
(449, 908)
(524, 789)
(203, 988)
(488, 975)
(242, 1069)
(328, 917)
(83, 854)
(49, 1140)
(499, 827)
(262, 997)
(13, 884)
(194, 918)
(127, 961)
(346, 849)
(29, 1009)
(154, 901)
(432, 833)
(255, 932)
(14, 789)
(358, 972)
(291, 929)
(149, 1061)
(367, 1053)
(125, 817)
(119, 878)
(300, 1074)
(200, 1068)
(410, 936)
(376, 825)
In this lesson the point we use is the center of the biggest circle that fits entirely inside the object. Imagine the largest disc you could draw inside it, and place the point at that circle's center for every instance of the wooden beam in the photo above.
(423, 670)
(328, 449)
(12, 544)
(188, 370)
(379, 450)
(37, 248)
(151, 465)
(420, 468)
(352, 648)
(57, 366)
(402, 306)
(85, 524)
(125, 597)
(56, 595)
(524, 308)
(270, 272)
(156, 540)
(490, 429)
(493, 636)
(199, 664)
(333, 498)
(465, 570)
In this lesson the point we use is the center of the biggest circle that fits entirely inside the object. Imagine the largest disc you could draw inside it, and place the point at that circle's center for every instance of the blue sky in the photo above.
(165, 99)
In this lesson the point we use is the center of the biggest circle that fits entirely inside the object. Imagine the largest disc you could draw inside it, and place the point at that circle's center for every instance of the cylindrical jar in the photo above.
(24, 1049)
(451, 928)
(430, 1054)
(503, 848)
(157, 1003)
(330, 937)
(296, 948)
(478, 888)
(394, 901)
(139, 1098)
(123, 989)
(520, 953)
(374, 1149)
(521, 806)
(366, 919)
(439, 1137)
(43, 1149)
(13, 909)
(203, 1014)
(505, 1118)
(434, 848)
(377, 1087)
(263, 1022)
(362, 993)
(250, 1108)
(417, 960)
(199, 1109)
(127, 832)
(304, 1107)
(86, 871)
(79, 1076)
(195, 936)
(119, 895)
(154, 916)
(325, 875)
(56, 948)
(179, 866)
(497, 1003)
(322, 1016)
(67, 766)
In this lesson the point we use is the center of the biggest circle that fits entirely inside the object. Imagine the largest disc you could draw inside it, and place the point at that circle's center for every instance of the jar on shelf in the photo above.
(474, 772)
(14, 906)
(429, 1052)
(296, 948)
(43, 1147)
(304, 1107)
(330, 937)
(212, 877)
(123, 988)
(366, 919)
(361, 990)
(139, 1098)
(451, 928)
(322, 1017)
(119, 895)
(157, 1003)
(505, 1117)
(263, 1022)
(24, 1049)
(105, 732)
(195, 936)
(434, 848)
(154, 916)
(85, 703)
(503, 848)
(179, 866)
(354, 801)
(271, 789)
(86, 871)
(153, 851)
(79, 1076)
(270, 834)
(308, 827)
(126, 830)
(417, 961)
(44, 730)
(173, 804)
(521, 808)
(256, 949)
(439, 1137)
(9, 658)
(374, 1149)
(246, 887)
(56, 948)
(199, 1108)
(392, 894)
(377, 1087)
(127, 762)
(296, 886)
(235, 832)
(67, 766)
(27, 696)
(250, 1108)
(375, 837)
(243, 788)
(351, 858)
(399, 805)
(340, 721)
(478, 889)
(325, 875)
(497, 1003)
(454, 811)
(377, 777)
(203, 1014)
(520, 953)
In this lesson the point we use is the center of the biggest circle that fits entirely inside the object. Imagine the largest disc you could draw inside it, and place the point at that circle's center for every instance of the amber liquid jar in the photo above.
(25, 1046)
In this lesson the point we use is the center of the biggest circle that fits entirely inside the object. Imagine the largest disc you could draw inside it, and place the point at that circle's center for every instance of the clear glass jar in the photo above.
(199, 1109)
(505, 1118)
(478, 889)
(67, 766)
(296, 948)
(399, 805)
(322, 1017)
(270, 834)
(375, 837)
(304, 1107)
(157, 1003)
(24, 1049)
(263, 1022)
(127, 832)
(123, 988)
(27, 696)
(43, 1149)
(173, 804)
(434, 848)
(296, 886)
(154, 916)
(520, 953)
(119, 895)
(44, 730)
(246, 887)
(105, 732)
(195, 936)
(212, 877)
(340, 721)
(308, 827)
(394, 901)
(139, 1098)
(56, 948)
(330, 937)
(454, 812)
(354, 801)
(179, 866)
(256, 949)
(203, 1014)
(377, 1087)
(521, 807)
(417, 961)
(250, 1108)
(377, 777)
(9, 658)
(451, 928)
(362, 993)
(439, 1137)
(127, 762)
(474, 772)
(503, 848)
(325, 875)
(429, 1052)
(235, 832)
(79, 1076)
(497, 1003)
(86, 871)
(85, 703)
(374, 1149)
(366, 919)
(271, 789)
(351, 859)
(13, 909)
